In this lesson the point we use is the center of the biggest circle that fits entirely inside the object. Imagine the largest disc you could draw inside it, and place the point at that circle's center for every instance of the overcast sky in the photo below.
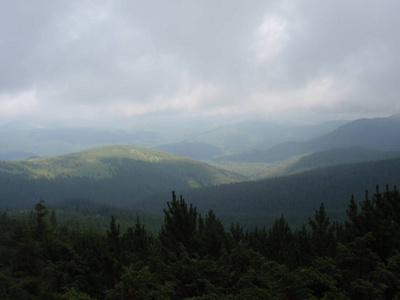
(117, 61)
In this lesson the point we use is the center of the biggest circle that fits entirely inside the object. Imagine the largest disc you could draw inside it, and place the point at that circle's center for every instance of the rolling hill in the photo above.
(118, 175)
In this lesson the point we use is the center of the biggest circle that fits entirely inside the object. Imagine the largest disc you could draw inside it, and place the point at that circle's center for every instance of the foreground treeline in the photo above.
(195, 257)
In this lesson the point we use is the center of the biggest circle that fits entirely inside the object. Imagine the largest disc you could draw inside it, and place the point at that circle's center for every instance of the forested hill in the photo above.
(118, 175)
(295, 196)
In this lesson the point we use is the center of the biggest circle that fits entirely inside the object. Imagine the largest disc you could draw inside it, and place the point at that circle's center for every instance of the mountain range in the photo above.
(326, 168)
(245, 136)
(25, 140)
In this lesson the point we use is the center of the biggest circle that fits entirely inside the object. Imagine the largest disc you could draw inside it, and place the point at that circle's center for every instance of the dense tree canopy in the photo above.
(194, 257)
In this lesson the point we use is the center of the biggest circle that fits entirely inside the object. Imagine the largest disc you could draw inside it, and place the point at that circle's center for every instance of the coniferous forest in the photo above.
(196, 257)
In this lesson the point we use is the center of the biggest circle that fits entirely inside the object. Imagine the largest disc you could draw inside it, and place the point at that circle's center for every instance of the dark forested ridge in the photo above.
(195, 257)
(260, 202)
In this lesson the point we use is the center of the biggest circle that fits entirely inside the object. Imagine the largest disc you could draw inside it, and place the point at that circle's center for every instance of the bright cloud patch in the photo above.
(270, 38)
(18, 105)
(317, 94)
(190, 98)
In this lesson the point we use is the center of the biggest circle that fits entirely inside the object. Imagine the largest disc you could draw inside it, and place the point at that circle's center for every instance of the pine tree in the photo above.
(212, 235)
(136, 240)
(113, 258)
(180, 225)
(322, 233)
(280, 241)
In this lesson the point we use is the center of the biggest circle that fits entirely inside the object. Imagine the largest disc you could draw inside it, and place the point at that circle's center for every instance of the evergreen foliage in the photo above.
(196, 258)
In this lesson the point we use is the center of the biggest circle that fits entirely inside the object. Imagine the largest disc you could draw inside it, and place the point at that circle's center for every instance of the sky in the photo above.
(117, 62)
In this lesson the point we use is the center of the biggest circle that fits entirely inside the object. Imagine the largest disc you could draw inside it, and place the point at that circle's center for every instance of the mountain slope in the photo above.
(340, 156)
(118, 175)
(376, 134)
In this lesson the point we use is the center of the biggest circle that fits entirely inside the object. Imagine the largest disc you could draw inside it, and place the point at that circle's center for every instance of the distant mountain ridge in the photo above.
(375, 134)
(245, 136)
(26, 140)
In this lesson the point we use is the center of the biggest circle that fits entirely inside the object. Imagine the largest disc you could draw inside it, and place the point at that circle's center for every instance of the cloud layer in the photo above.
(113, 60)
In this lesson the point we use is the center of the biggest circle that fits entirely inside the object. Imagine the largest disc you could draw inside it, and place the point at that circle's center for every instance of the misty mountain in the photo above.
(375, 134)
(395, 116)
(245, 136)
(24, 140)
(16, 155)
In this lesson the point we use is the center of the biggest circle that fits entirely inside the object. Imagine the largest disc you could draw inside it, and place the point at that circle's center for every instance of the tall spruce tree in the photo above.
(180, 225)
(322, 235)
(212, 236)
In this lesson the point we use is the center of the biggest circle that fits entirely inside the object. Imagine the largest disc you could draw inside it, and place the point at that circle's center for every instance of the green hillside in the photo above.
(110, 174)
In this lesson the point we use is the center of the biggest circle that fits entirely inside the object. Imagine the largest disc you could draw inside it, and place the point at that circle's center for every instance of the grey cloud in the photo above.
(94, 53)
